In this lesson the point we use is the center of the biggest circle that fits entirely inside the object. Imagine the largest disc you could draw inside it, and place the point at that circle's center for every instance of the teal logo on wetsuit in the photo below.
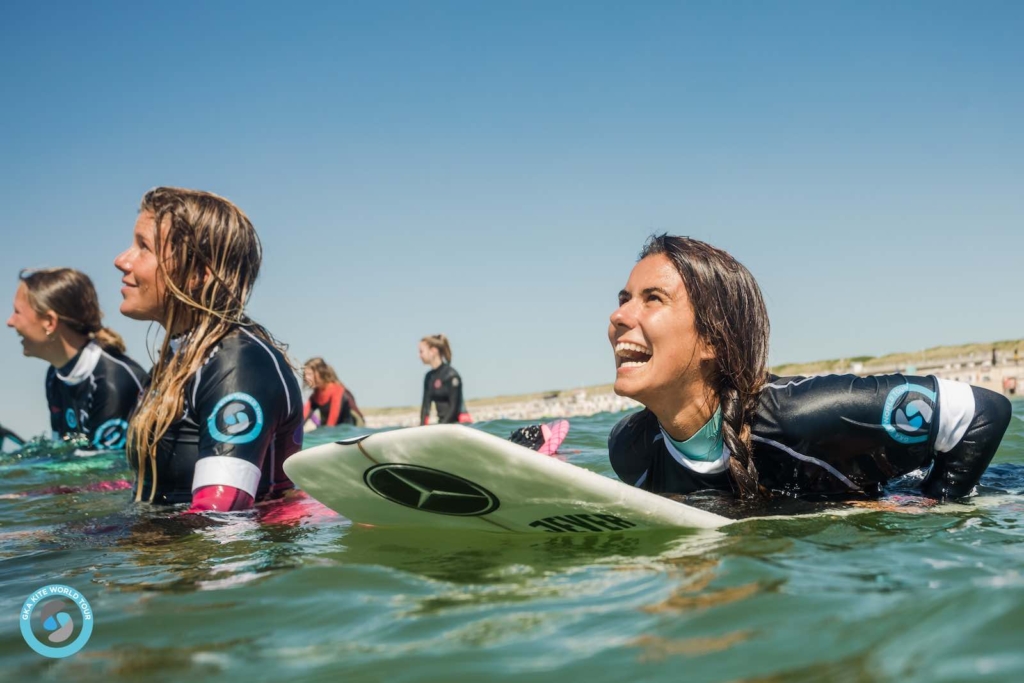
(56, 621)
(71, 418)
(908, 411)
(237, 418)
(110, 435)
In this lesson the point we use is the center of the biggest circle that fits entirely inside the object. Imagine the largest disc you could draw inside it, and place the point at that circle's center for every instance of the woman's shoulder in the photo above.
(242, 353)
(639, 427)
(244, 362)
(117, 361)
(241, 342)
(631, 445)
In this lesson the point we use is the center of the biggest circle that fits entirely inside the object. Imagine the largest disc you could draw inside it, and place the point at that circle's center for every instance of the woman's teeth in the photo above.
(631, 355)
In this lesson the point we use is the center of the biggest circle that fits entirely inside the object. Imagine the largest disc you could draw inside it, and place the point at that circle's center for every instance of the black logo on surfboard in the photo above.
(430, 490)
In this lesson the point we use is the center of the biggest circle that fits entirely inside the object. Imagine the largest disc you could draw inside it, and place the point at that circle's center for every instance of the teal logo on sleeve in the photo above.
(237, 418)
(111, 435)
(908, 411)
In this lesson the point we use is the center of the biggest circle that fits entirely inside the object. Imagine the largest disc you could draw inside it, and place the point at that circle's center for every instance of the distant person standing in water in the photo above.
(91, 386)
(442, 386)
(331, 403)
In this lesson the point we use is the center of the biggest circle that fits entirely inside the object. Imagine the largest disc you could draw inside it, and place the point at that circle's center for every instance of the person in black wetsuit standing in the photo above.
(91, 385)
(442, 386)
(690, 338)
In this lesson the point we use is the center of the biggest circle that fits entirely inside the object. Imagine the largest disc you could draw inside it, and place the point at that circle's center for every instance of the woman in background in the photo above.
(91, 385)
(442, 386)
(331, 402)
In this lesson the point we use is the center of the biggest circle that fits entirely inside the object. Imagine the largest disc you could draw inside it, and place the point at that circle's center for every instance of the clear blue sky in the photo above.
(490, 170)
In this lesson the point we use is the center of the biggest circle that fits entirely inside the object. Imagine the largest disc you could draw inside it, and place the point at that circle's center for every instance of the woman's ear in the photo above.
(196, 282)
(50, 322)
(706, 351)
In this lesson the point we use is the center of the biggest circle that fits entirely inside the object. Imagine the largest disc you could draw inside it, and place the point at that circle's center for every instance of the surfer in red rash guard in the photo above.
(331, 401)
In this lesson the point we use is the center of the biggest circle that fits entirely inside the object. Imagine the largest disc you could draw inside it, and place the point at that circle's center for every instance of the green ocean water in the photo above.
(293, 593)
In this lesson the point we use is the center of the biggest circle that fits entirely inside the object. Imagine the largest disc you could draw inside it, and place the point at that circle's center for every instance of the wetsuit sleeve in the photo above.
(334, 410)
(53, 403)
(908, 422)
(112, 402)
(220, 499)
(239, 398)
(425, 409)
(306, 410)
(956, 472)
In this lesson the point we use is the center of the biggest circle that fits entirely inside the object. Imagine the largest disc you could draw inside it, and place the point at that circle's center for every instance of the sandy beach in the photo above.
(568, 403)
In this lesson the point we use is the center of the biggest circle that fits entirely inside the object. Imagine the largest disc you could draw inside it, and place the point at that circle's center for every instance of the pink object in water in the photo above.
(554, 434)
(118, 485)
(296, 507)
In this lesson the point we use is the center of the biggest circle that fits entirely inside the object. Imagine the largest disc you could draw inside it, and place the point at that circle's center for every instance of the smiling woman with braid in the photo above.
(223, 409)
(691, 344)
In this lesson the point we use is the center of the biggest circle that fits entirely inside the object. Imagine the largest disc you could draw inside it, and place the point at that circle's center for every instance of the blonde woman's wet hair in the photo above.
(439, 342)
(70, 294)
(208, 259)
(323, 373)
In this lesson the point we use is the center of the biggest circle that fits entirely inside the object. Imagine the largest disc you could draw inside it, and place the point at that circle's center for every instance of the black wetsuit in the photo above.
(836, 436)
(93, 394)
(242, 419)
(443, 387)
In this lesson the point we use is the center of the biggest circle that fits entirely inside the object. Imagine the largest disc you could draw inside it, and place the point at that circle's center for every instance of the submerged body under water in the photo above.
(295, 592)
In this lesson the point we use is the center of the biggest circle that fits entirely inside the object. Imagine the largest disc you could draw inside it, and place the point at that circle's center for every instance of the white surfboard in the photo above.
(456, 477)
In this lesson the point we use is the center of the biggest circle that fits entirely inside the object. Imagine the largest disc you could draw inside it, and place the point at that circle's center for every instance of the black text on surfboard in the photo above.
(581, 523)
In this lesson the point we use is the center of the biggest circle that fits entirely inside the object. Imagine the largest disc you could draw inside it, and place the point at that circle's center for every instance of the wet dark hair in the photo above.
(731, 318)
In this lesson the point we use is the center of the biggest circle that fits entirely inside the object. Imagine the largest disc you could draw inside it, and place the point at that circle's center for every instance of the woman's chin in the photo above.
(627, 386)
(130, 311)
